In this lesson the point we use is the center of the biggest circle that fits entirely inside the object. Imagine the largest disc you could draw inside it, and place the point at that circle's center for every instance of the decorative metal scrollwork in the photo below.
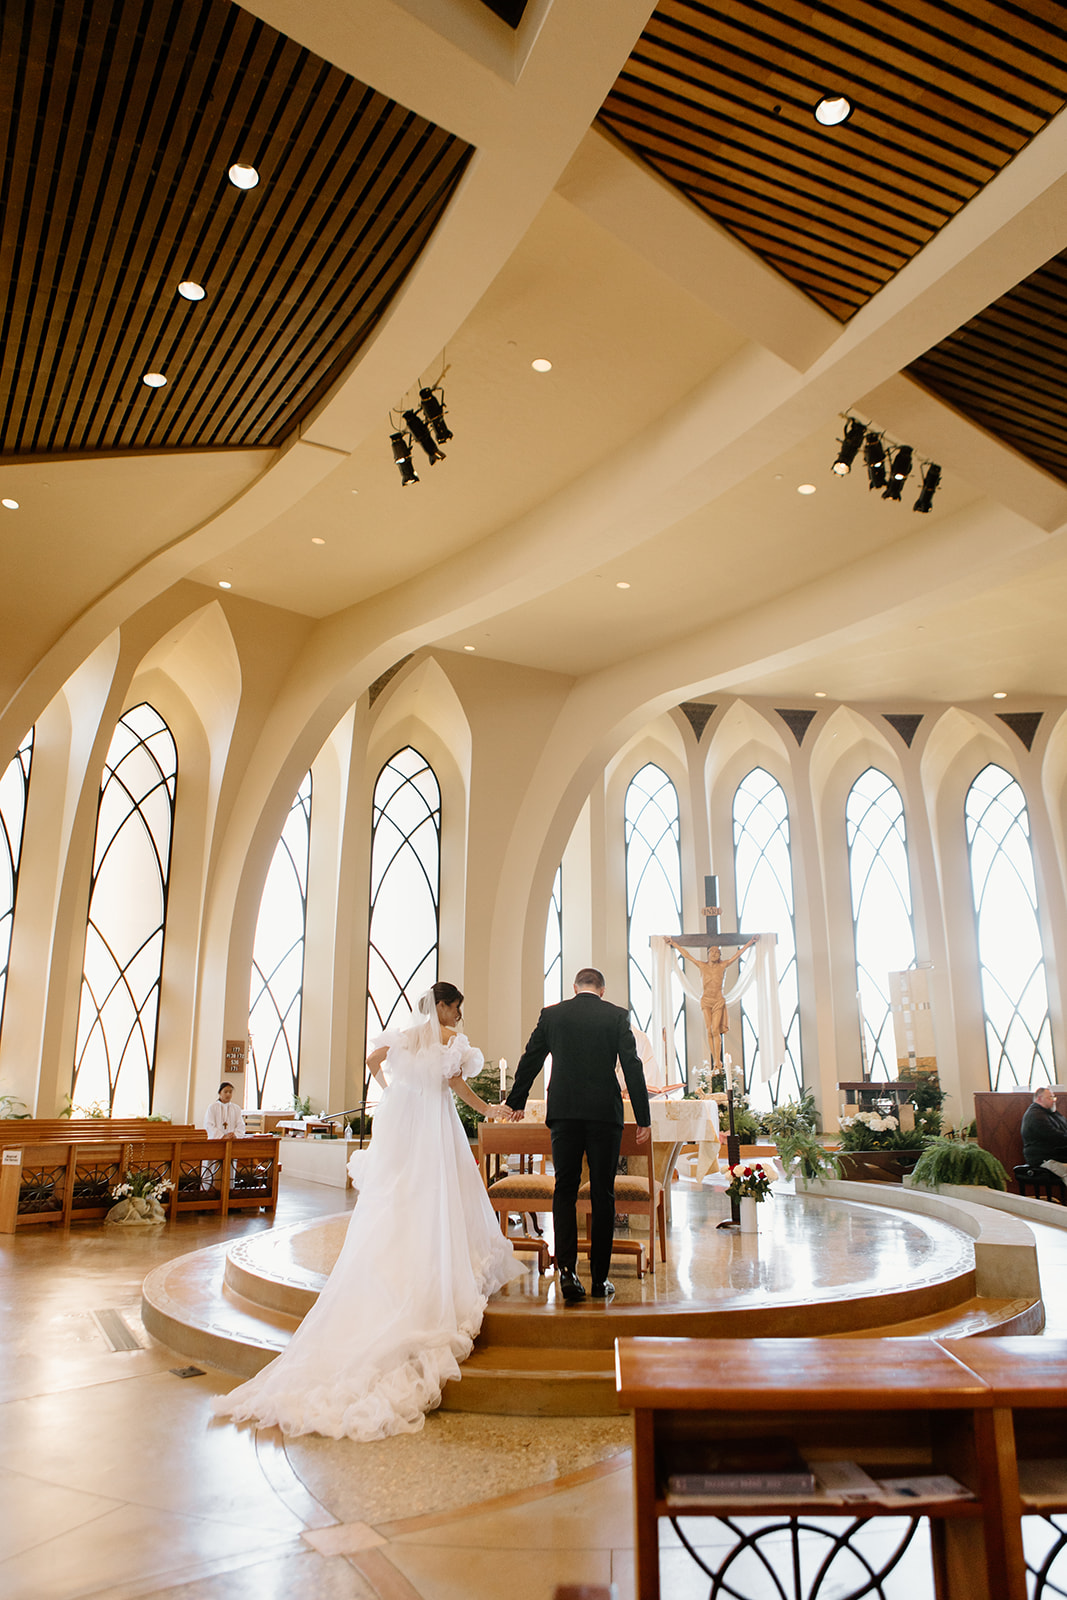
(41, 1189)
(822, 1558)
(1044, 1541)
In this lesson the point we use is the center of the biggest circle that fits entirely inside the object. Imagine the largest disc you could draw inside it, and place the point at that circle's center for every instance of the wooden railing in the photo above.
(70, 1179)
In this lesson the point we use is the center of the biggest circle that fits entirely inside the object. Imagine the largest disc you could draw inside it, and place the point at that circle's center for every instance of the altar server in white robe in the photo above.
(222, 1119)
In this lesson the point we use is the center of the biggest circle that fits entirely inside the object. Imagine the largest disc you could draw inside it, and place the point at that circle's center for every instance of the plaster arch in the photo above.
(1054, 787)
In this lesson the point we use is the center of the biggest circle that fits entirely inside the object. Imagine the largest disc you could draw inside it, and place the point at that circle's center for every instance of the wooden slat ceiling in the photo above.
(718, 97)
(1006, 369)
(118, 122)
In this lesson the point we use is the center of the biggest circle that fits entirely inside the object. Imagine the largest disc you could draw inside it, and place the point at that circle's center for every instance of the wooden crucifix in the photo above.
(712, 1003)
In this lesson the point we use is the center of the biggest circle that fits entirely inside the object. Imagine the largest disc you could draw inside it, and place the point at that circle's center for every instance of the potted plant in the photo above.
(750, 1184)
(802, 1152)
(958, 1161)
(875, 1148)
(138, 1197)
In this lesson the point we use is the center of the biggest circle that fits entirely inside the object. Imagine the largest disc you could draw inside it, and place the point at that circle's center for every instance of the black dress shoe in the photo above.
(571, 1286)
(603, 1291)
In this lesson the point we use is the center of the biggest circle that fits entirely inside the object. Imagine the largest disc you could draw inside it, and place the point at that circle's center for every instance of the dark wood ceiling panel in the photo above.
(718, 97)
(1006, 369)
(118, 122)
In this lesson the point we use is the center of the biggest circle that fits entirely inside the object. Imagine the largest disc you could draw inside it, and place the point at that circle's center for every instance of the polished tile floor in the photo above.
(115, 1481)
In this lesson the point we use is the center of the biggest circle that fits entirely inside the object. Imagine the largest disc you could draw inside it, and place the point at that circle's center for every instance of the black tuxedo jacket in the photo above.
(585, 1037)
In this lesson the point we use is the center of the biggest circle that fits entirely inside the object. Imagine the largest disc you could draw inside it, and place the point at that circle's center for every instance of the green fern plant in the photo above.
(953, 1161)
(800, 1149)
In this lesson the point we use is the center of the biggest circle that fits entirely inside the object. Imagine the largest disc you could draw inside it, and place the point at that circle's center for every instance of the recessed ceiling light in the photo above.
(191, 291)
(1000, 694)
(820, 694)
(154, 380)
(243, 176)
(622, 585)
(832, 110)
(225, 584)
(805, 488)
(541, 364)
(9, 505)
(317, 540)
(470, 648)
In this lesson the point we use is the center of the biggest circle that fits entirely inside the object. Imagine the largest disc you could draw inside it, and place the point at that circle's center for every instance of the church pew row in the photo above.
(71, 1179)
(43, 1130)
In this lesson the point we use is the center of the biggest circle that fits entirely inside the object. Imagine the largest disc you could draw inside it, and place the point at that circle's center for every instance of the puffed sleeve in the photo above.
(464, 1057)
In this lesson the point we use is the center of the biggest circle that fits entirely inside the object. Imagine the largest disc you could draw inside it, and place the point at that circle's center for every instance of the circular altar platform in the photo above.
(818, 1266)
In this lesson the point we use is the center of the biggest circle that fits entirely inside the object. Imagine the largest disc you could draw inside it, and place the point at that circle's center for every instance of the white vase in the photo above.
(749, 1214)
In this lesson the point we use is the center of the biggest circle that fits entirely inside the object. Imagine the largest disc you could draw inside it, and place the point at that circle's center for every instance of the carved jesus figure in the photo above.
(712, 1003)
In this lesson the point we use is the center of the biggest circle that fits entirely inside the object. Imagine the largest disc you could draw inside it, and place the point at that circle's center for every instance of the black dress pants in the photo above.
(598, 1142)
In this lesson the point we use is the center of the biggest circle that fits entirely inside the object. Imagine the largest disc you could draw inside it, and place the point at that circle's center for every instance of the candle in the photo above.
(503, 1077)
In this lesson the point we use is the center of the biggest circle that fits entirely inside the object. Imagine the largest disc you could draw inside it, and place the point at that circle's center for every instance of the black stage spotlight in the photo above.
(931, 479)
(874, 456)
(850, 447)
(900, 469)
(422, 433)
(402, 456)
(433, 409)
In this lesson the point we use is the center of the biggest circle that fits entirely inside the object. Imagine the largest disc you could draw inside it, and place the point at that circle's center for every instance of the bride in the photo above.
(422, 1255)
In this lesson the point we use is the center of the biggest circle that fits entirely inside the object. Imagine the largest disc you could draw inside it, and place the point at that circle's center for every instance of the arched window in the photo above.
(115, 1053)
(1010, 956)
(653, 891)
(405, 888)
(554, 943)
(763, 870)
(277, 985)
(881, 911)
(14, 794)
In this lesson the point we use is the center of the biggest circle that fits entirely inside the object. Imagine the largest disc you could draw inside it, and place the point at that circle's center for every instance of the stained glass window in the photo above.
(277, 985)
(763, 870)
(881, 911)
(554, 943)
(1010, 954)
(653, 891)
(14, 794)
(405, 889)
(115, 1053)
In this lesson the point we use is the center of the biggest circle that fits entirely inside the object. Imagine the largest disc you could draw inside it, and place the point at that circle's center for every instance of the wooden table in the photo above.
(897, 1407)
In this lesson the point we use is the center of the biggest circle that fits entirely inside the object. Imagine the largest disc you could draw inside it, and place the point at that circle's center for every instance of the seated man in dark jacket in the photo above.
(1045, 1134)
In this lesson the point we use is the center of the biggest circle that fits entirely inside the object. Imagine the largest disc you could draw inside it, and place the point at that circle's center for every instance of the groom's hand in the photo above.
(511, 1115)
(644, 1135)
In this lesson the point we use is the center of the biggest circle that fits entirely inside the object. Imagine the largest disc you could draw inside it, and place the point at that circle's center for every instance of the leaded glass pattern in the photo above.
(405, 889)
(653, 891)
(275, 999)
(882, 924)
(115, 1052)
(1010, 955)
(763, 872)
(14, 796)
(554, 943)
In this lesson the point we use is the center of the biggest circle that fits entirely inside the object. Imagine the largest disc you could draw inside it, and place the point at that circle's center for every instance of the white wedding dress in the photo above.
(423, 1253)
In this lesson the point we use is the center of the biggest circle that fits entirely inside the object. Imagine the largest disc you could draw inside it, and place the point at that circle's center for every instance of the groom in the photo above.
(585, 1037)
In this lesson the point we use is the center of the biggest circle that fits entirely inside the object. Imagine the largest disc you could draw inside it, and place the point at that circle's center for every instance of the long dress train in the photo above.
(405, 1299)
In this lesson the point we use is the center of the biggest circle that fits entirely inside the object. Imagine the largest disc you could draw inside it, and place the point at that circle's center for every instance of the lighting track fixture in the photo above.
(425, 426)
(888, 465)
(874, 456)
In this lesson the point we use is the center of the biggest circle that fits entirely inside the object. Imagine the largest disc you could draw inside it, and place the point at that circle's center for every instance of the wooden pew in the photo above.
(70, 1179)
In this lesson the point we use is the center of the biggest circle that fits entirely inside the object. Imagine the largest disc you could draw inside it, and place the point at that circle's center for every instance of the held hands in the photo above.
(511, 1115)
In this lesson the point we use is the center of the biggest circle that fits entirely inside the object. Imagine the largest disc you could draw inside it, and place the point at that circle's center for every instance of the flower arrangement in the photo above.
(750, 1180)
(141, 1186)
(867, 1130)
